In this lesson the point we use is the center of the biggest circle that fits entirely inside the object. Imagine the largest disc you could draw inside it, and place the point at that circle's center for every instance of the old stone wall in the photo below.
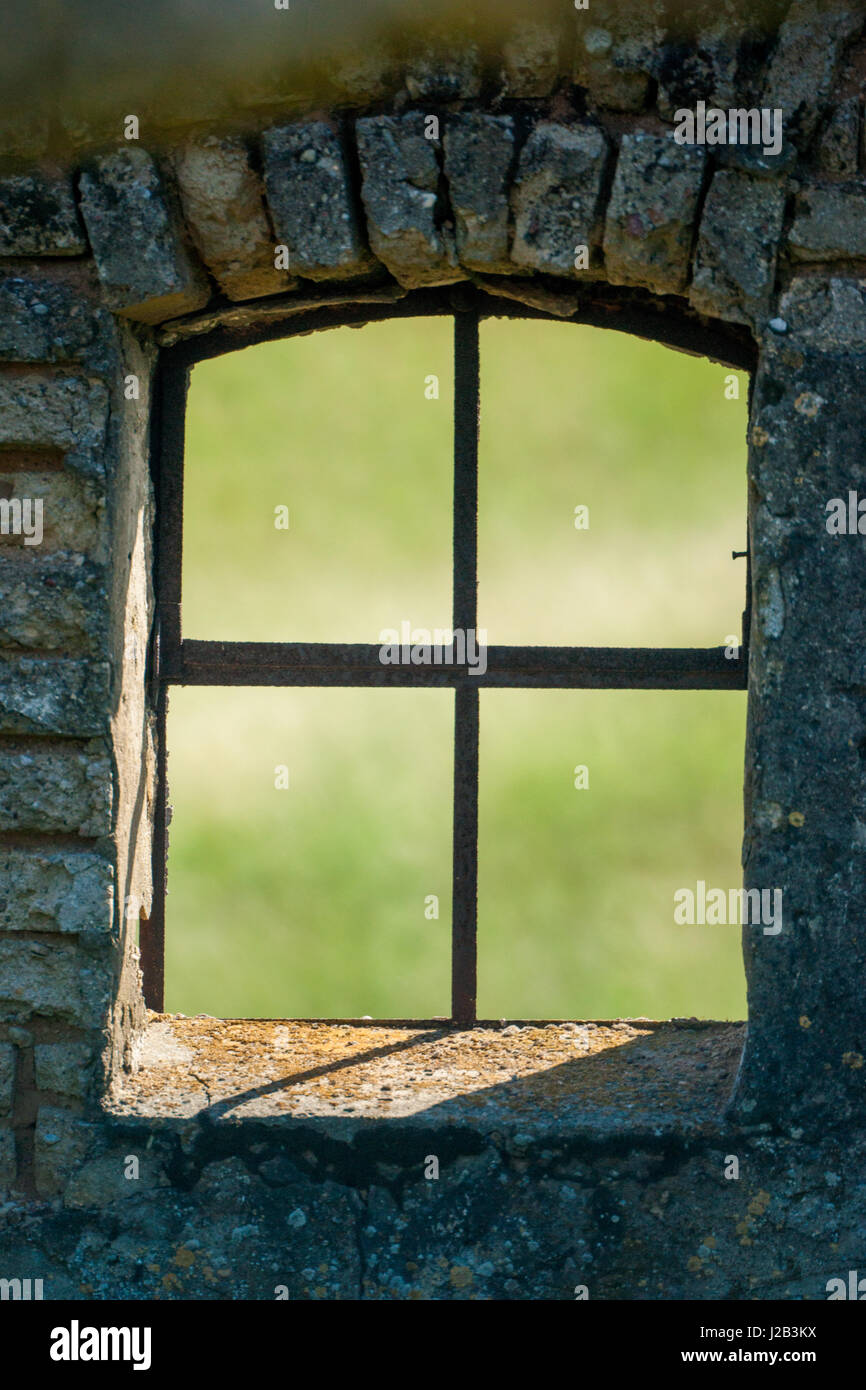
(541, 172)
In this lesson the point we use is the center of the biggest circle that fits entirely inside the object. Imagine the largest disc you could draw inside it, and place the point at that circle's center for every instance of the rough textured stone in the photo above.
(699, 67)
(55, 891)
(223, 202)
(54, 696)
(55, 788)
(840, 142)
(63, 1141)
(615, 53)
(501, 1222)
(102, 1181)
(72, 512)
(805, 792)
(530, 60)
(38, 216)
(147, 271)
(63, 1067)
(7, 1077)
(56, 412)
(557, 196)
(752, 160)
(401, 179)
(311, 202)
(55, 603)
(283, 310)
(829, 224)
(445, 71)
(563, 302)
(551, 1134)
(491, 1076)
(53, 981)
(827, 312)
(804, 62)
(649, 229)
(8, 1165)
(479, 151)
(737, 245)
(45, 321)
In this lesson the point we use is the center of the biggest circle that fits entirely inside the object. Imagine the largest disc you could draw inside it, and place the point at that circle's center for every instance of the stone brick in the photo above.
(54, 696)
(55, 891)
(55, 603)
(401, 180)
(838, 150)
(45, 321)
(445, 70)
(53, 788)
(829, 224)
(739, 234)
(223, 201)
(750, 159)
(557, 196)
(800, 74)
(63, 1067)
(530, 61)
(63, 1142)
(147, 270)
(311, 202)
(8, 1165)
(701, 66)
(102, 1181)
(650, 215)
(38, 216)
(826, 312)
(478, 153)
(55, 981)
(7, 1077)
(65, 412)
(70, 518)
(615, 51)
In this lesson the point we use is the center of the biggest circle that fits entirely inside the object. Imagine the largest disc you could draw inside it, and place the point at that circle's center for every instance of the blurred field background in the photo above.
(311, 900)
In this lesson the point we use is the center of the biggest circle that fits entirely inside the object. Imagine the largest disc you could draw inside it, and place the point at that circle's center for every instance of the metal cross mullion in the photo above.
(464, 908)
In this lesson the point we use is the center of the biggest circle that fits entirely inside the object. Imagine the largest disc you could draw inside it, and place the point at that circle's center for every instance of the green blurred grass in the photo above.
(311, 900)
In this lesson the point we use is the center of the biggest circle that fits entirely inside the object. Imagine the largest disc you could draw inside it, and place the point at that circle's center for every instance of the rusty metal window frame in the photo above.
(176, 660)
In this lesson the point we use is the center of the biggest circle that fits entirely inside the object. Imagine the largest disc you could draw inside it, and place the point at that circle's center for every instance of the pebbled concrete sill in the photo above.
(628, 1077)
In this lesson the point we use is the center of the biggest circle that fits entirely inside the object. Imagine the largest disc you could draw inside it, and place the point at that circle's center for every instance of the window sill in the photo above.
(566, 1078)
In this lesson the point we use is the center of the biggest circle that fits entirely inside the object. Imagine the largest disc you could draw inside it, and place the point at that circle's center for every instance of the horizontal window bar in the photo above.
(359, 664)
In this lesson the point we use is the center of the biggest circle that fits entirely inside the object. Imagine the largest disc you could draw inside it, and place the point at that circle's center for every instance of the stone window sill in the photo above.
(574, 1078)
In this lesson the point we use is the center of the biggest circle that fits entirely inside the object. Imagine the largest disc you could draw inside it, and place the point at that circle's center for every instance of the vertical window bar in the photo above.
(152, 931)
(171, 423)
(464, 909)
(172, 387)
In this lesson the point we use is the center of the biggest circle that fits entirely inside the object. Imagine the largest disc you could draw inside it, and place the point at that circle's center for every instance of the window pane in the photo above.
(342, 428)
(648, 441)
(309, 899)
(576, 884)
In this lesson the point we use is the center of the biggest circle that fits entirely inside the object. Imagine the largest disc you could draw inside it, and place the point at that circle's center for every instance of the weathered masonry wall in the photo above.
(484, 170)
